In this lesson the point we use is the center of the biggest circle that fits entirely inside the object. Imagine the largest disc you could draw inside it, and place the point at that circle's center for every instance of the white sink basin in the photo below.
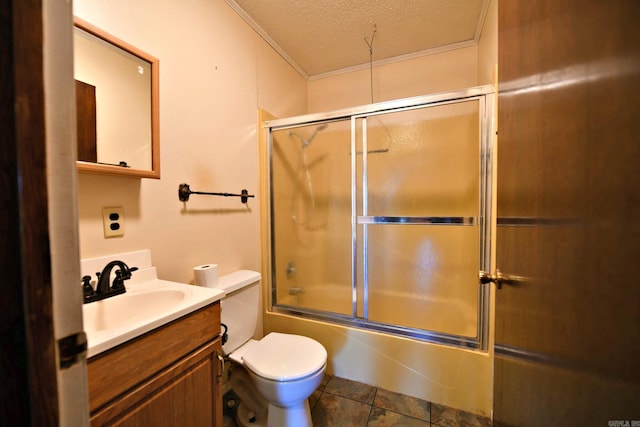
(145, 306)
(132, 307)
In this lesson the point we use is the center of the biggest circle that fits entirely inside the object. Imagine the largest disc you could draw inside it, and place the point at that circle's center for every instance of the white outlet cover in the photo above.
(113, 221)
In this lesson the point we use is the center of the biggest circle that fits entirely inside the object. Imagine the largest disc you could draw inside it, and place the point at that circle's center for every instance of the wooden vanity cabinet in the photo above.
(170, 376)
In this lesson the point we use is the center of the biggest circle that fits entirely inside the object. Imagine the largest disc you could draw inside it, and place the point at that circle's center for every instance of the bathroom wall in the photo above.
(215, 72)
(453, 377)
(488, 47)
(439, 72)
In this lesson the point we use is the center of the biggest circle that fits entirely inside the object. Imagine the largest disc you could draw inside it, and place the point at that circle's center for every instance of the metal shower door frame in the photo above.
(486, 97)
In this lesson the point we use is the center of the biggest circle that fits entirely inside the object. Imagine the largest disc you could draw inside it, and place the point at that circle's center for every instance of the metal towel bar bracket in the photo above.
(184, 192)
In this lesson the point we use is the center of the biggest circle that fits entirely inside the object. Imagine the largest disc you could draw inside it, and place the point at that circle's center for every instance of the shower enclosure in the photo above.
(380, 216)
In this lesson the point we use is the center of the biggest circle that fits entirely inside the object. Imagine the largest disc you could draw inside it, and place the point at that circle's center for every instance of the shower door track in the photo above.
(346, 320)
(485, 96)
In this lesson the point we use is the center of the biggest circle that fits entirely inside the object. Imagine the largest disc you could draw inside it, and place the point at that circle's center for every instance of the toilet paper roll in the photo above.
(206, 275)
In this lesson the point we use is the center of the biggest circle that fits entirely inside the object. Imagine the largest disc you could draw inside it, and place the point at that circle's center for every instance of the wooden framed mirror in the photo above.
(117, 105)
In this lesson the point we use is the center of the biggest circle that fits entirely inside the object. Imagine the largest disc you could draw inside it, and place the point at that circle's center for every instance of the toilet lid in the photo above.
(285, 357)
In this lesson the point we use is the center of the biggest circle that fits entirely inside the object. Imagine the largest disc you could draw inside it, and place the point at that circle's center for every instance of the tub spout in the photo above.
(296, 291)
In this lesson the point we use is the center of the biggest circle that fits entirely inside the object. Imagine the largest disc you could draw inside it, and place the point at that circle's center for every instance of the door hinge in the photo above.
(72, 349)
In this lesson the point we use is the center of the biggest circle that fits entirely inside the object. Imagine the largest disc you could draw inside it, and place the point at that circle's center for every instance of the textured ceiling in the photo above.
(324, 36)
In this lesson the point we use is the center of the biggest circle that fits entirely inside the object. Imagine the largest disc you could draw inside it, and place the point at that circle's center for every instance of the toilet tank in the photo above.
(239, 307)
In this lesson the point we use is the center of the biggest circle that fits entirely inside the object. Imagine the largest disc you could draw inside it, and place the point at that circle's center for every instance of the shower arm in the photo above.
(184, 192)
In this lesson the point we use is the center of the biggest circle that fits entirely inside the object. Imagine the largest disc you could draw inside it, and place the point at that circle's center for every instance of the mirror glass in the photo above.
(116, 104)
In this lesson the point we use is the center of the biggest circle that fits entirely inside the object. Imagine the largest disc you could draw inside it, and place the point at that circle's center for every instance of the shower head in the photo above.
(307, 141)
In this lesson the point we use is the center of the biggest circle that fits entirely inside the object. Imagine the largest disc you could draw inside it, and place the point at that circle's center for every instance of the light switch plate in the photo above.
(113, 221)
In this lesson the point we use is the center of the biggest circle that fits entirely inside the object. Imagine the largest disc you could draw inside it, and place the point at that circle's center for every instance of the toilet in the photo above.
(279, 372)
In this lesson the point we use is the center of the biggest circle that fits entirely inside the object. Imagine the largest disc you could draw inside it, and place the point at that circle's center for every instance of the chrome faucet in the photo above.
(104, 289)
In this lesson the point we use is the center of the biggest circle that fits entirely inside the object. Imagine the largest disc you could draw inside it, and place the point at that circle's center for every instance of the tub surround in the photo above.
(443, 375)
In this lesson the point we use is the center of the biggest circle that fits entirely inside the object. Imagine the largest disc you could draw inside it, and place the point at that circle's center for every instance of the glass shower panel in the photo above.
(424, 162)
(424, 277)
(381, 216)
(419, 218)
(311, 217)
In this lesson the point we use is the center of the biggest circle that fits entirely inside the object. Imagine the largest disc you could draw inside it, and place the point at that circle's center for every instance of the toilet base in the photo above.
(294, 416)
(246, 418)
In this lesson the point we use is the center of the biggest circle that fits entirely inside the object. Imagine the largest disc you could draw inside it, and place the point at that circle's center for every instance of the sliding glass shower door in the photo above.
(418, 181)
(381, 218)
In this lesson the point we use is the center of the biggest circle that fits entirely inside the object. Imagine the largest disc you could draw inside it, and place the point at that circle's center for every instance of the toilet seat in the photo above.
(285, 357)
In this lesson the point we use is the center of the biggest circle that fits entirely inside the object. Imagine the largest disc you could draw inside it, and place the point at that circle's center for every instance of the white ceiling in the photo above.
(319, 37)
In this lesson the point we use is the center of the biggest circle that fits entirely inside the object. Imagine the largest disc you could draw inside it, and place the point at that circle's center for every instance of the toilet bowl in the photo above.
(284, 368)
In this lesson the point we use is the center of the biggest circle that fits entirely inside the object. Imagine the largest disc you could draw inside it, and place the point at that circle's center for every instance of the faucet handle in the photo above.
(87, 289)
(121, 275)
(118, 282)
(126, 273)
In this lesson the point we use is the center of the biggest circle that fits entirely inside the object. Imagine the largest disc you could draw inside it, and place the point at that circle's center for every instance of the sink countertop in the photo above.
(148, 304)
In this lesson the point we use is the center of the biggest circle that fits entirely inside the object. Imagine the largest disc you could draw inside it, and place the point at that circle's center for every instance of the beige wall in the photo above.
(440, 72)
(215, 72)
(488, 47)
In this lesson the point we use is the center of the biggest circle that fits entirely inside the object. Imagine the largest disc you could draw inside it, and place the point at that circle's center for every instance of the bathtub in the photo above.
(432, 367)
(401, 309)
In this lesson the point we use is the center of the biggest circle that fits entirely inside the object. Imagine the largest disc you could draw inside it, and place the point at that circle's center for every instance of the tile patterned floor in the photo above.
(343, 403)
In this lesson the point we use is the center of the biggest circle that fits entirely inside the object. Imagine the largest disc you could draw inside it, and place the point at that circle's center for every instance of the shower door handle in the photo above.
(499, 279)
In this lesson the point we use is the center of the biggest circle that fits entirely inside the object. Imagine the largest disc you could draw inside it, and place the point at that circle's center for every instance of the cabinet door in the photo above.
(119, 371)
(186, 394)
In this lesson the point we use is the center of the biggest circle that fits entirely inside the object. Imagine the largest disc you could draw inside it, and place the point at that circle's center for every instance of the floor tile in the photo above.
(315, 396)
(444, 416)
(343, 403)
(351, 390)
(334, 411)
(383, 418)
(324, 382)
(407, 405)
